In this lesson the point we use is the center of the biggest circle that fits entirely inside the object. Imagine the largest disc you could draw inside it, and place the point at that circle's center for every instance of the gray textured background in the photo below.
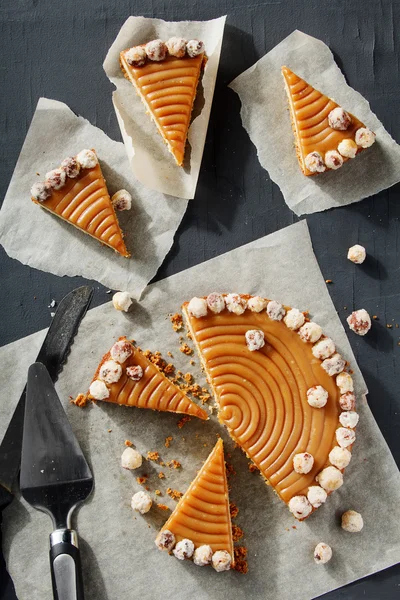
(56, 49)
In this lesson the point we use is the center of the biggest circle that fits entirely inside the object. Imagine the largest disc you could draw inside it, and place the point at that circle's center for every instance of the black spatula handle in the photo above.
(65, 563)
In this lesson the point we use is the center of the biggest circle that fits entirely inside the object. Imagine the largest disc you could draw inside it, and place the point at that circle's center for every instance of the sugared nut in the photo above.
(322, 553)
(183, 549)
(254, 339)
(41, 191)
(122, 200)
(197, 307)
(303, 462)
(203, 555)
(316, 495)
(156, 50)
(330, 479)
(215, 302)
(359, 321)
(121, 351)
(87, 159)
(71, 167)
(135, 373)
(141, 502)
(314, 162)
(334, 365)
(324, 348)
(122, 301)
(221, 561)
(294, 319)
(364, 137)
(333, 160)
(345, 437)
(357, 254)
(110, 371)
(317, 396)
(347, 148)
(349, 419)
(235, 304)
(310, 332)
(98, 390)
(275, 311)
(347, 401)
(165, 540)
(256, 304)
(56, 178)
(352, 521)
(344, 381)
(136, 56)
(176, 47)
(300, 507)
(340, 457)
(131, 459)
(194, 48)
(339, 119)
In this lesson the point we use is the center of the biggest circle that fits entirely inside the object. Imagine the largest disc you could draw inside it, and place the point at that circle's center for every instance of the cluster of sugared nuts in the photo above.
(221, 560)
(339, 120)
(157, 50)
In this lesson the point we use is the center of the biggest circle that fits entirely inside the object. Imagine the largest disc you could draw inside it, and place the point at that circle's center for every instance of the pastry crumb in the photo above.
(81, 400)
(163, 507)
(229, 469)
(183, 421)
(237, 533)
(175, 495)
(233, 509)
(328, 281)
(128, 443)
(141, 480)
(177, 321)
(253, 468)
(168, 441)
(170, 354)
(185, 349)
(241, 564)
(157, 492)
(154, 456)
(161, 475)
(174, 464)
(192, 361)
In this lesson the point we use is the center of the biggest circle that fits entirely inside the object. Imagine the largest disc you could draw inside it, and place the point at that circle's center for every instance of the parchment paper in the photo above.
(149, 157)
(266, 118)
(41, 240)
(118, 552)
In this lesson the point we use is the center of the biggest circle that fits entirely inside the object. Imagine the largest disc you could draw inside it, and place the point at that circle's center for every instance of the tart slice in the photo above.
(77, 193)
(200, 526)
(126, 376)
(165, 76)
(325, 134)
(281, 391)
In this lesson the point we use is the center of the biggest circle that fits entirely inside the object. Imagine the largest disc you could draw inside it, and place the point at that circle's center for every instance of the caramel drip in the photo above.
(262, 395)
(202, 514)
(168, 89)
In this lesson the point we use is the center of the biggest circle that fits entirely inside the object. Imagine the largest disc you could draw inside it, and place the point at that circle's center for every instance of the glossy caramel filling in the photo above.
(202, 514)
(168, 89)
(262, 398)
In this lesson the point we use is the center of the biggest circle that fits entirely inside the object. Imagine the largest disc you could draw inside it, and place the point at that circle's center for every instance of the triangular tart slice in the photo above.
(202, 517)
(77, 193)
(168, 89)
(281, 391)
(325, 134)
(126, 376)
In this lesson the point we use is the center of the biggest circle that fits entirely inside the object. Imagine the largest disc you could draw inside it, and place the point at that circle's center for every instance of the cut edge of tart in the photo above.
(221, 341)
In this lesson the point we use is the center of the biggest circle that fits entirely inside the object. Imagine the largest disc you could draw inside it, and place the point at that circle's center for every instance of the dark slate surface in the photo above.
(56, 49)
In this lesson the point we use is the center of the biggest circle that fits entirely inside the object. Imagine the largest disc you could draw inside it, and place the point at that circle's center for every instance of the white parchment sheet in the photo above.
(43, 241)
(148, 155)
(118, 552)
(265, 116)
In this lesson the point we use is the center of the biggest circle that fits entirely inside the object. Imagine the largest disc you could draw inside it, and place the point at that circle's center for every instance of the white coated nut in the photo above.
(194, 48)
(300, 507)
(254, 339)
(135, 372)
(333, 160)
(314, 162)
(98, 390)
(122, 200)
(136, 56)
(339, 119)
(71, 167)
(347, 401)
(349, 419)
(122, 301)
(275, 311)
(316, 496)
(294, 319)
(347, 148)
(221, 561)
(322, 553)
(357, 254)
(131, 459)
(56, 178)
(324, 348)
(87, 159)
(303, 462)
(352, 521)
(334, 365)
(203, 555)
(41, 191)
(183, 549)
(121, 351)
(330, 479)
(235, 304)
(359, 321)
(256, 304)
(344, 381)
(339, 457)
(345, 437)
(197, 307)
(310, 332)
(317, 396)
(165, 540)
(176, 47)
(141, 502)
(110, 371)
(215, 302)
(156, 50)
(364, 137)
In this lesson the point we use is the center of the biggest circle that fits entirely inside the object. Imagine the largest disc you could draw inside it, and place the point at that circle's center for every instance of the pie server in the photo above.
(55, 478)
